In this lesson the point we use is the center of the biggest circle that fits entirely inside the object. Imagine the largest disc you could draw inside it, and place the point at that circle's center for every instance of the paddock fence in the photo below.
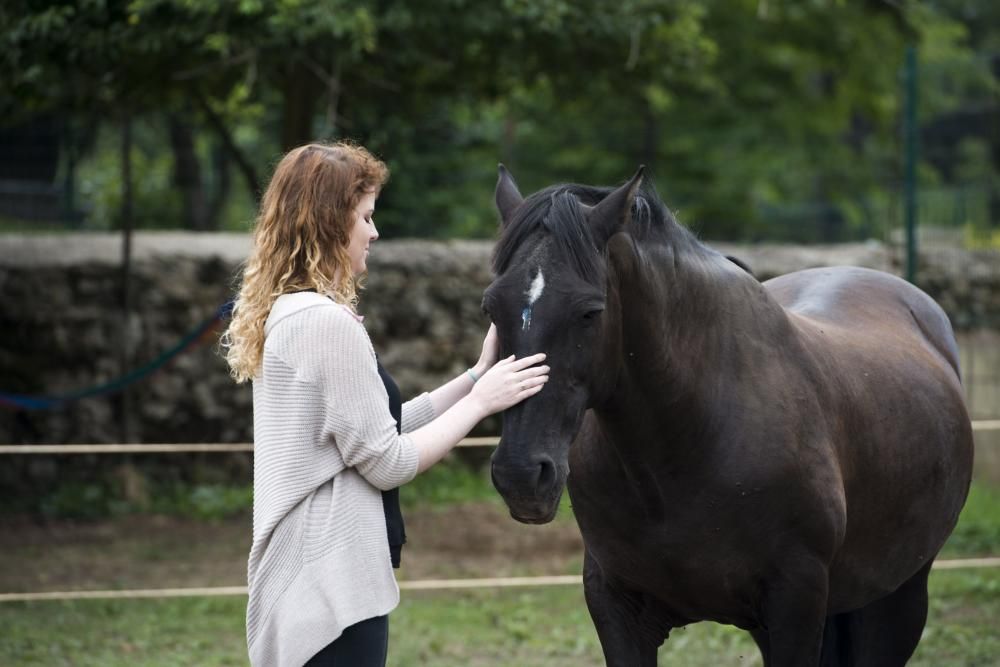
(181, 448)
(416, 585)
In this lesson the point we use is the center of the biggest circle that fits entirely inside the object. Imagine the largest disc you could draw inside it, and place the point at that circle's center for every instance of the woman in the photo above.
(328, 449)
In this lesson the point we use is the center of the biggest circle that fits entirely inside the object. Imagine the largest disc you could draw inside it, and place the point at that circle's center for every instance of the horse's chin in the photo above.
(536, 513)
(534, 519)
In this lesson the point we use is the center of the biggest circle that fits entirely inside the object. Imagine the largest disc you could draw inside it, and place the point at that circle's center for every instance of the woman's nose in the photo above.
(374, 234)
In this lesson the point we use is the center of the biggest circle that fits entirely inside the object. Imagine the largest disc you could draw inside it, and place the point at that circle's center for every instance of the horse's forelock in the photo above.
(568, 226)
(556, 211)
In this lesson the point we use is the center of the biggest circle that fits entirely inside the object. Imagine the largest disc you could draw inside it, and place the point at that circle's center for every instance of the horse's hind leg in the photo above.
(883, 634)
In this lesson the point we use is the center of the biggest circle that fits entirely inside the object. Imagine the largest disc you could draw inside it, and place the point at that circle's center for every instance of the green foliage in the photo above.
(79, 500)
(202, 501)
(976, 237)
(155, 203)
(755, 119)
(102, 499)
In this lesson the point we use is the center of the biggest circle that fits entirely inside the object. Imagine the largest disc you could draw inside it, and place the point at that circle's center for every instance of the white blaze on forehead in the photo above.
(537, 286)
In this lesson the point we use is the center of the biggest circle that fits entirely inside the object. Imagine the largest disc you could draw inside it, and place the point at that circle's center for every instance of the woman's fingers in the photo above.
(528, 385)
(512, 380)
(532, 388)
(525, 362)
(491, 348)
(506, 361)
(535, 381)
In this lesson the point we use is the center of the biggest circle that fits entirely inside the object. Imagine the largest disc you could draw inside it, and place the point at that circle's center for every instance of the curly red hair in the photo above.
(300, 240)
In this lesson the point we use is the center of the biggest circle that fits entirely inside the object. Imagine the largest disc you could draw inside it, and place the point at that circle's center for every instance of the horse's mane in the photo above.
(557, 210)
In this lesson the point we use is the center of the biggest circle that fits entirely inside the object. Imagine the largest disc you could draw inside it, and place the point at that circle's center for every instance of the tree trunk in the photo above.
(220, 193)
(301, 91)
(508, 140)
(187, 174)
(650, 138)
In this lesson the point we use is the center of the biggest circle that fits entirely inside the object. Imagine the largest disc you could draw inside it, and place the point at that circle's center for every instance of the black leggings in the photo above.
(363, 644)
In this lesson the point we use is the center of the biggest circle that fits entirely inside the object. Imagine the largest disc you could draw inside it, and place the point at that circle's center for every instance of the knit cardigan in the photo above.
(325, 446)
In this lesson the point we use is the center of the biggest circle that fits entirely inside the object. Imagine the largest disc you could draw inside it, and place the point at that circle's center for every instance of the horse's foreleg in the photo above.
(794, 612)
(628, 630)
(763, 643)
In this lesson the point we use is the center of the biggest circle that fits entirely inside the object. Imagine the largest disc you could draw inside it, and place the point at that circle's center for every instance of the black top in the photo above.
(390, 499)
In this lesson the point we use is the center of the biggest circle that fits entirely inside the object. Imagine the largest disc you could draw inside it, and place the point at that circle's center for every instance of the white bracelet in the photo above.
(472, 375)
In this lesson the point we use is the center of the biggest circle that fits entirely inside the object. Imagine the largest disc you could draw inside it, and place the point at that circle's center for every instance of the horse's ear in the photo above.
(508, 197)
(612, 212)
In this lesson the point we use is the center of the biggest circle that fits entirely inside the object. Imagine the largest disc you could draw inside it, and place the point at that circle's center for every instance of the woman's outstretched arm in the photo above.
(448, 394)
(508, 382)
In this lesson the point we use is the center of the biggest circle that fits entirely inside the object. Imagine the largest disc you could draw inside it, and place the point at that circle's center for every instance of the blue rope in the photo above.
(25, 402)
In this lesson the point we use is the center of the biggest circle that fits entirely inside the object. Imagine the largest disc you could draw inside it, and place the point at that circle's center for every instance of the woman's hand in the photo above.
(509, 382)
(491, 350)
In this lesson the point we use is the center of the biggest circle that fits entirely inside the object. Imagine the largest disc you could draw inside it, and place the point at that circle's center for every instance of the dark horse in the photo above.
(787, 457)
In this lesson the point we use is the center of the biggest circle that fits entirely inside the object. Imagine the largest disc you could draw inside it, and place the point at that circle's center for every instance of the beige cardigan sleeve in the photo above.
(417, 412)
(339, 358)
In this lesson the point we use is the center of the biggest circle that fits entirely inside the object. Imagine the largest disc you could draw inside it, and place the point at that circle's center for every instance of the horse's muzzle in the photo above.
(531, 489)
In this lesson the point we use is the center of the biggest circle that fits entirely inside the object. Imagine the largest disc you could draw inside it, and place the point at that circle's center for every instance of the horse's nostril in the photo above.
(535, 476)
(546, 474)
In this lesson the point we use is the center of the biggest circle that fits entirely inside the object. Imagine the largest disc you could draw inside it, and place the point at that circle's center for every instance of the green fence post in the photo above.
(910, 165)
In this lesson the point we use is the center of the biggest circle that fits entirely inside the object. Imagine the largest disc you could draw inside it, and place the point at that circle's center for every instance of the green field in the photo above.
(480, 628)
(487, 628)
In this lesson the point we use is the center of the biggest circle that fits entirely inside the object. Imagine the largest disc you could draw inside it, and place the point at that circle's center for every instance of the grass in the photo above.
(191, 631)
(551, 628)
(978, 529)
(534, 628)
(448, 483)
(478, 628)
(484, 628)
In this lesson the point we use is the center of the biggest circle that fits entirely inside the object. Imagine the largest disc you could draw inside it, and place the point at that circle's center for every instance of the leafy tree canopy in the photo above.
(737, 106)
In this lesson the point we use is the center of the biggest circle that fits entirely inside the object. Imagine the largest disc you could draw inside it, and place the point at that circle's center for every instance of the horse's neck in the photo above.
(696, 308)
(688, 321)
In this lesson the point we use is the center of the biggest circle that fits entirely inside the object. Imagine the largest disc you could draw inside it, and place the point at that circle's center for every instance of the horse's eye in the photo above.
(591, 314)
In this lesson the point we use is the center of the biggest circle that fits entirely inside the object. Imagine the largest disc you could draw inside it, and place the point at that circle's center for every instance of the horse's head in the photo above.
(553, 294)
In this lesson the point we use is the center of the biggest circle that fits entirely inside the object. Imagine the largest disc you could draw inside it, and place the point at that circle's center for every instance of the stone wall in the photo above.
(61, 326)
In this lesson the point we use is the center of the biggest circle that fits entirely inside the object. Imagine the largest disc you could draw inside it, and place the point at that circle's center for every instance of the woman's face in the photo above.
(363, 232)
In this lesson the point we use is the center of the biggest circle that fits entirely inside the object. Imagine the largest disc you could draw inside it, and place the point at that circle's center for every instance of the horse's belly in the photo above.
(888, 542)
(691, 579)
(905, 482)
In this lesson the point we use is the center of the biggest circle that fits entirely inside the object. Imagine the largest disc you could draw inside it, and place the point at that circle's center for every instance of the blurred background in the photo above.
(136, 137)
(758, 119)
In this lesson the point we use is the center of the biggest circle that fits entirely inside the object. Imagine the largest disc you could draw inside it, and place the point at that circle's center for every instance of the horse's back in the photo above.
(868, 303)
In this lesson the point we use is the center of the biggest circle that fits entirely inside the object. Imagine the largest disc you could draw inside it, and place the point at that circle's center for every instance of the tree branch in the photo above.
(242, 163)
(195, 72)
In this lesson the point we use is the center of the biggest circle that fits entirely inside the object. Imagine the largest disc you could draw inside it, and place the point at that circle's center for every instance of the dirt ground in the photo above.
(469, 540)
